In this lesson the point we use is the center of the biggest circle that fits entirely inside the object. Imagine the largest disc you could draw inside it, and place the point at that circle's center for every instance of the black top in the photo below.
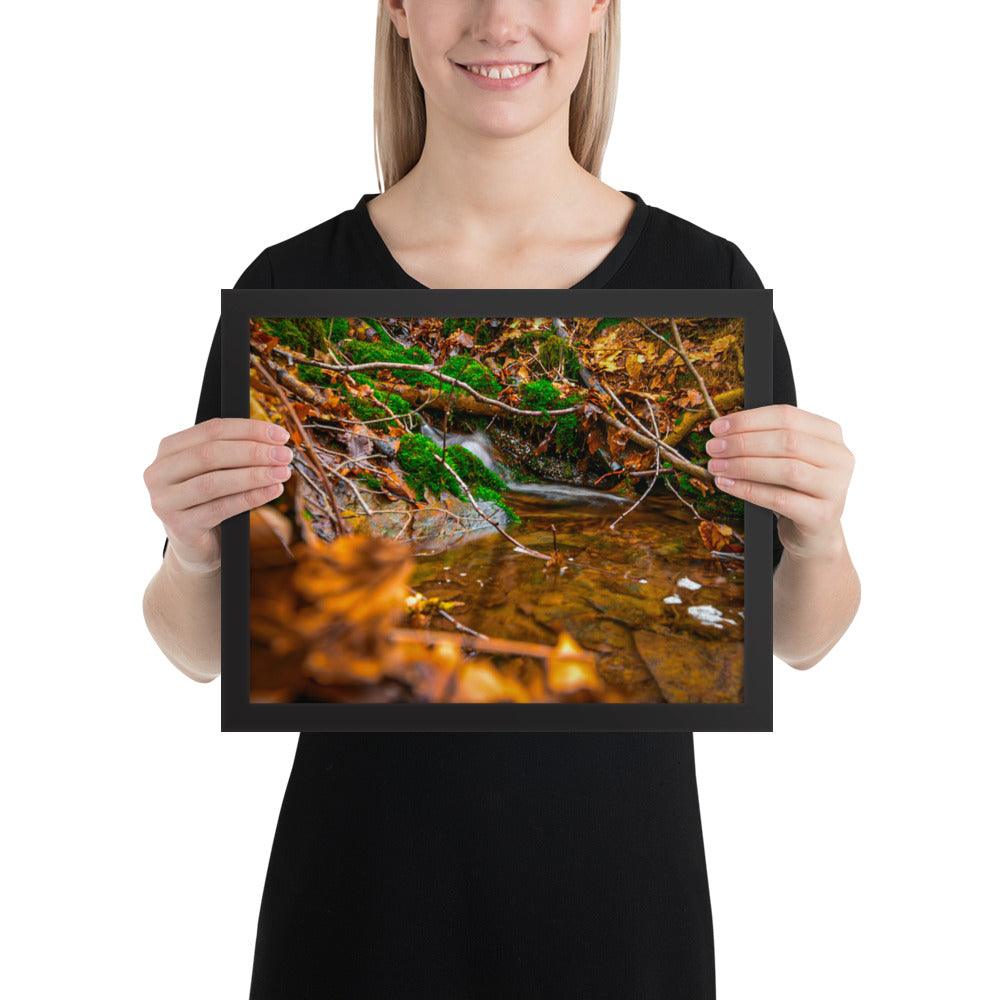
(456, 865)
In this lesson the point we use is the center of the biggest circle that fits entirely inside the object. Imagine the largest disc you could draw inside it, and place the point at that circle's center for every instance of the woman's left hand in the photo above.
(790, 461)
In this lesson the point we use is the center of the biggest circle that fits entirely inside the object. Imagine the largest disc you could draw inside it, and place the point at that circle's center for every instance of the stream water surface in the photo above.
(663, 616)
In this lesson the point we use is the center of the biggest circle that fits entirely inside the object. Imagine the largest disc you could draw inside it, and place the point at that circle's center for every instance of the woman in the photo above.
(498, 865)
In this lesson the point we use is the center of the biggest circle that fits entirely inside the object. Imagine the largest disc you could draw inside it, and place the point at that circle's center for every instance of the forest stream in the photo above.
(645, 597)
(506, 509)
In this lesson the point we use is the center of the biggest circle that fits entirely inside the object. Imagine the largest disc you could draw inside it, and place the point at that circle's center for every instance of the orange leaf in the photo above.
(718, 537)
(571, 670)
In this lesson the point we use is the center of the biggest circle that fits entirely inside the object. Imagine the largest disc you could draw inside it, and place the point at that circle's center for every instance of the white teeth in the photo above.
(501, 73)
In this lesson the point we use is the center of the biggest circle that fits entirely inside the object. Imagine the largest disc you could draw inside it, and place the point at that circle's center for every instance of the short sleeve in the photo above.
(743, 275)
(258, 274)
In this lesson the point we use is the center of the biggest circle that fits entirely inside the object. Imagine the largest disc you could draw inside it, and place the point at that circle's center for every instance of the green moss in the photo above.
(543, 395)
(288, 334)
(370, 481)
(529, 338)
(608, 321)
(364, 409)
(394, 401)
(310, 373)
(567, 434)
(717, 505)
(467, 324)
(695, 444)
(363, 352)
(338, 330)
(539, 395)
(472, 469)
(472, 373)
(419, 458)
(555, 353)
(305, 334)
(486, 494)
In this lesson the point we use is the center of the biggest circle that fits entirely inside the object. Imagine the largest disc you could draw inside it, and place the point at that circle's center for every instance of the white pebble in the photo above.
(706, 614)
(689, 584)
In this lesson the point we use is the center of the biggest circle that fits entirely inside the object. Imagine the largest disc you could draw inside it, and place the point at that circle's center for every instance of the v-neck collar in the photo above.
(597, 278)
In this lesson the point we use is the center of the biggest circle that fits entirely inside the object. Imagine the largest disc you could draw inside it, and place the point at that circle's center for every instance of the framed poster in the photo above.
(499, 516)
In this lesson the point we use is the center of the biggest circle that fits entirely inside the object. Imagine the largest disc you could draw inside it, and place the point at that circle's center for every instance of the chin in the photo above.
(501, 122)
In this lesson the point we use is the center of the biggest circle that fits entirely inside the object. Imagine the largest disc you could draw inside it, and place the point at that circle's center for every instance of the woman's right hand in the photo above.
(209, 472)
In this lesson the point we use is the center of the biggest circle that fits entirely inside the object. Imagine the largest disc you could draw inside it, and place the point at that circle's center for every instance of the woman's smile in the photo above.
(499, 75)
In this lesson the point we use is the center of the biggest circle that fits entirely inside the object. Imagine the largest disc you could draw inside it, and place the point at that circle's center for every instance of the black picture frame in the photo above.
(754, 713)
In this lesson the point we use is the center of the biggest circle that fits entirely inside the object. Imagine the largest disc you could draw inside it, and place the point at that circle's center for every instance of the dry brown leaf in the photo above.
(479, 681)
(718, 537)
(571, 670)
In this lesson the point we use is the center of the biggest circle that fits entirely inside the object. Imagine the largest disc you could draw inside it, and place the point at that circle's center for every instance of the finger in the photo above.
(216, 453)
(779, 416)
(798, 507)
(784, 443)
(790, 472)
(207, 515)
(223, 428)
(219, 483)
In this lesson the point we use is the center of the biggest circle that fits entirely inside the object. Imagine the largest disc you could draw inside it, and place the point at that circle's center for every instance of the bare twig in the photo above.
(447, 617)
(674, 456)
(486, 644)
(652, 482)
(430, 369)
(694, 371)
(733, 556)
(510, 538)
(307, 443)
(678, 346)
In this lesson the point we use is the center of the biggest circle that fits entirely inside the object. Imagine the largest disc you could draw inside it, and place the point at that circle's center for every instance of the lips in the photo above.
(499, 76)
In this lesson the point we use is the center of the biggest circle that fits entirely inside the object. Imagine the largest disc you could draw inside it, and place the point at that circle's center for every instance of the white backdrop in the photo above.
(151, 151)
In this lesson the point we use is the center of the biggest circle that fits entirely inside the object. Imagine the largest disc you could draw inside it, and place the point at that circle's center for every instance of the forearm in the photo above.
(182, 608)
(815, 599)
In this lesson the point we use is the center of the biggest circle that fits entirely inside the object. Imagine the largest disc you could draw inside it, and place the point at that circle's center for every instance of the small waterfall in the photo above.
(479, 444)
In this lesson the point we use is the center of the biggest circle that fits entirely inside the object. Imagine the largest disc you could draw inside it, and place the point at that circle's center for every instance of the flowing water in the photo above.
(664, 617)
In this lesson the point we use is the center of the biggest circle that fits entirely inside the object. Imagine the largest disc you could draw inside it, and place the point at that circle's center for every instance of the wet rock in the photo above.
(687, 670)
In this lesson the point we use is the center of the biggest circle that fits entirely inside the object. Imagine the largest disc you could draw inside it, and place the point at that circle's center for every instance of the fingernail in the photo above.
(277, 433)
(724, 482)
(281, 454)
(717, 465)
(715, 445)
(719, 426)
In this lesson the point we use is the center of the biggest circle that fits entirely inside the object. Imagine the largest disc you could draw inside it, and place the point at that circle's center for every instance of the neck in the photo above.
(462, 176)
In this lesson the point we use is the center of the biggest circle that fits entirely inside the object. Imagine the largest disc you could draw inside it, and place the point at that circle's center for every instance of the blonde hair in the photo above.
(401, 118)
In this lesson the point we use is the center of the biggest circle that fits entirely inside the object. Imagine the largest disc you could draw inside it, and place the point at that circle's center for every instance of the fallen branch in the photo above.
(678, 346)
(676, 459)
(724, 401)
(430, 369)
(306, 438)
(706, 395)
(486, 644)
(485, 517)
(656, 471)
(437, 609)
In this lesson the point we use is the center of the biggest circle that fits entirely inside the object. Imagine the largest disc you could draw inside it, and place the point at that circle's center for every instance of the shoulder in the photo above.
(315, 257)
(701, 257)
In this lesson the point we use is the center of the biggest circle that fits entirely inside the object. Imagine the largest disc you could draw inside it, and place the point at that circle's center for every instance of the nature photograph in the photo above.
(497, 509)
